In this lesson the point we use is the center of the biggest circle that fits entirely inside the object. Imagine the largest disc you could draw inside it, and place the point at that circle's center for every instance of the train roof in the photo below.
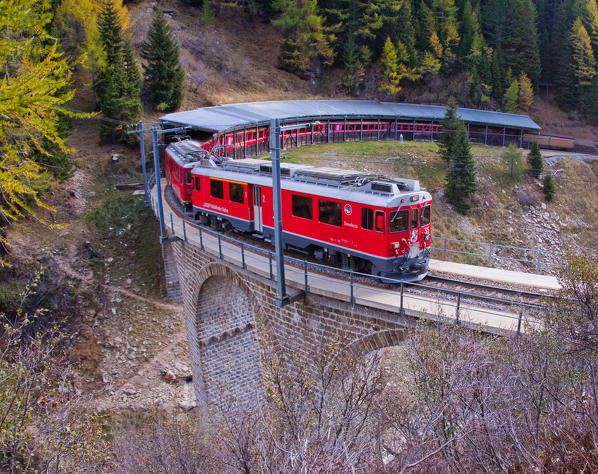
(342, 184)
(188, 152)
(221, 118)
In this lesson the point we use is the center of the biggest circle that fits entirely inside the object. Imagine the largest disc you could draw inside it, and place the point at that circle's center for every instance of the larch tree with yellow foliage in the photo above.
(34, 91)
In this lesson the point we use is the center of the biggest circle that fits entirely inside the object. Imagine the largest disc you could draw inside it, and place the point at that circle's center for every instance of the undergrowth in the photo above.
(128, 232)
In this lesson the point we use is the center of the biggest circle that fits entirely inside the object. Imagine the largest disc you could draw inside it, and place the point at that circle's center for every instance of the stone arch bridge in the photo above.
(229, 290)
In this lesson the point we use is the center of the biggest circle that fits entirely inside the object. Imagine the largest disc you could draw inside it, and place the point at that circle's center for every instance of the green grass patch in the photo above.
(128, 232)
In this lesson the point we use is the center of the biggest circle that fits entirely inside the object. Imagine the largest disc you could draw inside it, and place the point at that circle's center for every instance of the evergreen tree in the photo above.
(548, 187)
(583, 63)
(451, 127)
(406, 31)
(467, 34)
(389, 82)
(513, 158)
(526, 92)
(163, 74)
(534, 160)
(111, 35)
(445, 15)
(591, 102)
(494, 22)
(460, 181)
(34, 95)
(354, 72)
(305, 38)
(521, 42)
(119, 87)
(496, 75)
(511, 98)
(379, 19)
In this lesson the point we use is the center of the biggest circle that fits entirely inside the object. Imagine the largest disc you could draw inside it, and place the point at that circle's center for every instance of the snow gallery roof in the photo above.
(233, 116)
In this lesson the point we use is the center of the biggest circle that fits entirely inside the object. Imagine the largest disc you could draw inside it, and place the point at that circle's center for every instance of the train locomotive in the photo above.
(350, 219)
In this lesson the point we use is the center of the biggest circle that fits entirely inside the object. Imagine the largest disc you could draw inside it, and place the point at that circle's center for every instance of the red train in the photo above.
(350, 129)
(351, 219)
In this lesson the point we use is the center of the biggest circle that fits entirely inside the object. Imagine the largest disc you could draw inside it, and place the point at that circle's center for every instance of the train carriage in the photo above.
(179, 159)
(351, 219)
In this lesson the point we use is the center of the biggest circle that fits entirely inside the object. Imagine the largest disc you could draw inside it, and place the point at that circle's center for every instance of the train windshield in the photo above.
(399, 221)
(424, 218)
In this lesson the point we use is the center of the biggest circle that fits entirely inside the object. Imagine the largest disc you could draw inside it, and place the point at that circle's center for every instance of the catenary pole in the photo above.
(158, 184)
(282, 297)
(146, 190)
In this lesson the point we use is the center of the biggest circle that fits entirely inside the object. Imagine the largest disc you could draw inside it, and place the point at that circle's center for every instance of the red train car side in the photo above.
(351, 219)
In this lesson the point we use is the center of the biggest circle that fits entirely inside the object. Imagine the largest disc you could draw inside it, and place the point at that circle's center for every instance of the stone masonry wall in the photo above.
(231, 318)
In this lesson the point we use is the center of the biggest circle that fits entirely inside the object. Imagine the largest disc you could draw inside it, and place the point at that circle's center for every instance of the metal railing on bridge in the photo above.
(452, 305)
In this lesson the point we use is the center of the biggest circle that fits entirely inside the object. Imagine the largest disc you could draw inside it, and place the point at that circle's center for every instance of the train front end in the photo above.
(409, 234)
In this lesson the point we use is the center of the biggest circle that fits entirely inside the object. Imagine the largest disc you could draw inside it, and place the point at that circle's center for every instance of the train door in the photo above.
(257, 208)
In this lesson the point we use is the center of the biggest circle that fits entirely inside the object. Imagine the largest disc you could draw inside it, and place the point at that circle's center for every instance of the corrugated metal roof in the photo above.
(223, 117)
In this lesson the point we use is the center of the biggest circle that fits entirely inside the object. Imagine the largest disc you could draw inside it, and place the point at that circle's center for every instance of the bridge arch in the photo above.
(375, 341)
(224, 340)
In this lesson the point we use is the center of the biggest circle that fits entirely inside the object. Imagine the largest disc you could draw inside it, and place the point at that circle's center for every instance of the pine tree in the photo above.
(354, 72)
(163, 75)
(467, 34)
(379, 19)
(389, 82)
(119, 86)
(405, 31)
(511, 98)
(583, 62)
(460, 181)
(513, 158)
(521, 43)
(534, 160)
(526, 92)
(451, 127)
(591, 102)
(445, 15)
(34, 94)
(305, 37)
(548, 187)
(496, 75)
(110, 29)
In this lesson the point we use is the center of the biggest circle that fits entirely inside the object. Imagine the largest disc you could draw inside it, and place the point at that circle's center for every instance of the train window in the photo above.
(330, 212)
(424, 218)
(399, 221)
(302, 206)
(367, 218)
(188, 177)
(216, 189)
(379, 221)
(197, 183)
(236, 192)
(414, 215)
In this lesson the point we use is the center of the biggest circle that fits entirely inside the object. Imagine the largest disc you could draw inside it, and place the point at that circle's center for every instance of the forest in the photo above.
(493, 53)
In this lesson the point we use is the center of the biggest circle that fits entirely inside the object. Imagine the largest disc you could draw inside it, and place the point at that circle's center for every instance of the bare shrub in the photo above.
(528, 198)
(162, 442)
(40, 427)
(461, 402)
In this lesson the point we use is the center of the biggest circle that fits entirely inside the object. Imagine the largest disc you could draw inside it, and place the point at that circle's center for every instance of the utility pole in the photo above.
(146, 190)
(155, 133)
(158, 184)
(282, 298)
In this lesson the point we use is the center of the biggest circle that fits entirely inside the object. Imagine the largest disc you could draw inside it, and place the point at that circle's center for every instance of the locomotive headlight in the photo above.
(396, 245)
(414, 198)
